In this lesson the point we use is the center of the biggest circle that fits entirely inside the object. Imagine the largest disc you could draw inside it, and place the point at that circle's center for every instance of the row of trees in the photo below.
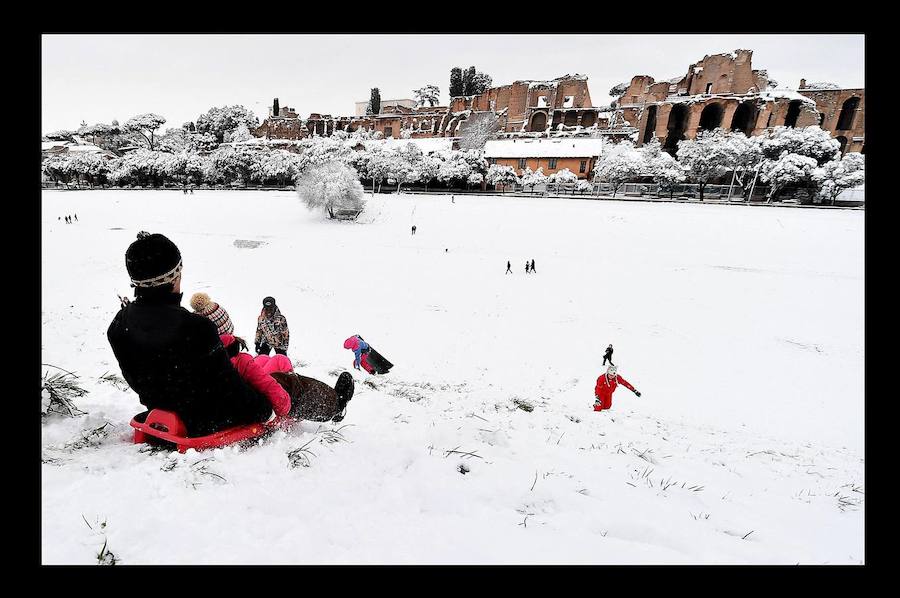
(806, 159)
(468, 82)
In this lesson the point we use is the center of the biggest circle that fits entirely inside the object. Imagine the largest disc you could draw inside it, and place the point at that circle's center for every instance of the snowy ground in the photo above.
(742, 327)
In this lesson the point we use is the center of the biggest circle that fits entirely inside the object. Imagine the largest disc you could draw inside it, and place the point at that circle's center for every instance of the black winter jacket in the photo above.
(174, 360)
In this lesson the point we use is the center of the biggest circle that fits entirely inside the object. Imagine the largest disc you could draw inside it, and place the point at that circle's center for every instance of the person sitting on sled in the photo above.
(172, 358)
(359, 348)
(606, 386)
(206, 307)
(255, 372)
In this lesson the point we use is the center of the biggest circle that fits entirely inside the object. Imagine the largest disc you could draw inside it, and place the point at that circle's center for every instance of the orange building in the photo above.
(553, 155)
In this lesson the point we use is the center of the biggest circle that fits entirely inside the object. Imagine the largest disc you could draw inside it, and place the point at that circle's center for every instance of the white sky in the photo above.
(98, 78)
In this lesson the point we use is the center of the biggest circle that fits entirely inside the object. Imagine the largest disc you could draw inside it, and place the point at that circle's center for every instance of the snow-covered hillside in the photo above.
(742, 328)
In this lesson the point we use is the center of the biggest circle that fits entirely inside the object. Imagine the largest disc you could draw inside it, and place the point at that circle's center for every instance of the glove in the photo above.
(637, 392)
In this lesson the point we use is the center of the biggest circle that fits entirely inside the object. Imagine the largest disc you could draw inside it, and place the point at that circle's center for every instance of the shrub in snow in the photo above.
(839, 175)
(332, 187)
(241, 133)
(501, 176)
(58, 392)
(583, 186)
(405, 134)
(620, 164)
(666, 172)
(475, 179)
(377, 135)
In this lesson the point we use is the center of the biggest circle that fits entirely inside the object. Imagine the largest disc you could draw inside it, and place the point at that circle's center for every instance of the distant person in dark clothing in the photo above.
(271, 329)
(508, 267)
(608, 355)
(527, 267)
(532, 267)
(76, 217)
(414, 229)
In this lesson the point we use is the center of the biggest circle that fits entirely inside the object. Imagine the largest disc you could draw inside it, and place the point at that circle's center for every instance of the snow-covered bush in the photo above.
(839, 175)
(475, 179)
(584, 186)
(666, 172)
(620, 164)
(332, 187)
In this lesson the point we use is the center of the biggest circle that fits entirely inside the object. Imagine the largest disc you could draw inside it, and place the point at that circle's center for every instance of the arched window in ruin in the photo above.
(571, 118)
(588, 119)
(848, 111)
(711, 117)
(675, 127)
(843, 141)
(539, 121)
(793, 112)
(650, 127)
(744, 119)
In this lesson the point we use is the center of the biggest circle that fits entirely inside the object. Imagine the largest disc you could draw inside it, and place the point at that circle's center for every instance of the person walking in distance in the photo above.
(527, 266)
(76, 217)
(413, 229)
(508, 267)
(532, 266)
(608, 355)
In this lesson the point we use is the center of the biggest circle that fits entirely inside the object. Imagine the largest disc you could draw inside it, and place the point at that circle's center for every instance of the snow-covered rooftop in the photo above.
(543, 148)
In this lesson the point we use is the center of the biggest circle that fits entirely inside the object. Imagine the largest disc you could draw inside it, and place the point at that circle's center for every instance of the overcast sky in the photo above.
(98, 78)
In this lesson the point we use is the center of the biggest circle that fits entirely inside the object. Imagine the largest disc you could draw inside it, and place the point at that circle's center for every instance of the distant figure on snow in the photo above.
(413, 229)
(365, 356)
(532, 266)
(271, 329)
(527, 266)
(452, 199)
(191, 190)
(508, 267)
(608, 355)
(206, 307)
(76, 217)
(184, 190)
(606, 386)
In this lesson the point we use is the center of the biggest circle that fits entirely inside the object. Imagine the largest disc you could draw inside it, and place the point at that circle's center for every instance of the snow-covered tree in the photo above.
(62, 135)
(429, 93)
(333, 186)
(583, 186)
(531, 178)
(240, 133)
(666, 171)
(145, 125)
(218, 121)
(277, 166)
(475, 179)
(322, 150)
(375, 165)
(563, 177)
(455, 167)
(501, 176)
(481, 82)
(619, 164)
(477, 129)
(812, 142)
(374, 105)
(618, 90)
(789, 169)
(456, 82)
(232, 165)
(836, 176)
(704, 158)
(429, 168)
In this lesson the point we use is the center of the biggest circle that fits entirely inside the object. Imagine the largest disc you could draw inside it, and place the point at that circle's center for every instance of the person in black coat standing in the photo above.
(608, 355)
(172, 358)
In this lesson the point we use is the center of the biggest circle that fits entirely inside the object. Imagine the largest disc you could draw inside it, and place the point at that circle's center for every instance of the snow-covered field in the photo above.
(742, 327)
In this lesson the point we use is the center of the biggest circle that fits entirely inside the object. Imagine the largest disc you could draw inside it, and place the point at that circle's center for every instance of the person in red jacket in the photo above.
(256, 372)
(606, 385)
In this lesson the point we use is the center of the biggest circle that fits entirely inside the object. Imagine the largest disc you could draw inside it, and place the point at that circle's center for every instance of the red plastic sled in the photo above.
(159, 424)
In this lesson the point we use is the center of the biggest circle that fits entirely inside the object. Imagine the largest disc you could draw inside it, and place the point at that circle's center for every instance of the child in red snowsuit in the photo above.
(606, 385)
(255, 372)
